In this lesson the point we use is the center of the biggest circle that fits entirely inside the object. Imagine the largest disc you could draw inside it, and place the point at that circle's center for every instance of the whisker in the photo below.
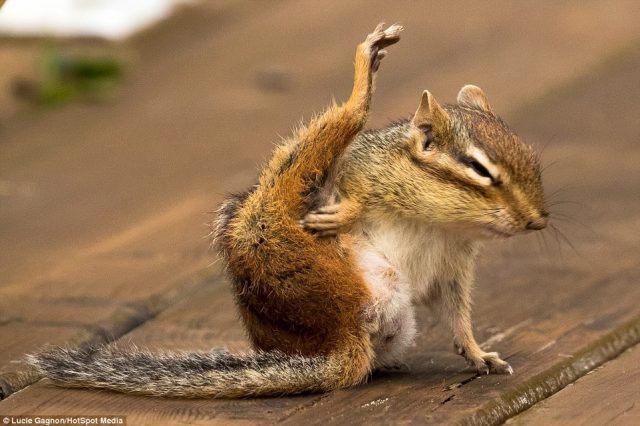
(570, 219)
(562, 189)
(544, 238)
(563, 237)
(540, 240)
(563, 202)
(548, 166)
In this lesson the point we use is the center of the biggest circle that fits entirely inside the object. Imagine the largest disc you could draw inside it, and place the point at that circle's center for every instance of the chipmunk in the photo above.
(343, 234)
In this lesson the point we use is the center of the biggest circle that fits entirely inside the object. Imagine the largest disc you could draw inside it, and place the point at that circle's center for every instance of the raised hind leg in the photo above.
(316, 146)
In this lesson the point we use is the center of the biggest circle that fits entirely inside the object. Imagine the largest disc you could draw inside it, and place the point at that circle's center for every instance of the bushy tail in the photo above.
(217, 374)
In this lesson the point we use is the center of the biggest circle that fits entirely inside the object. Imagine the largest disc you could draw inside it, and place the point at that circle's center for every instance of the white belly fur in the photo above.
(399, 263)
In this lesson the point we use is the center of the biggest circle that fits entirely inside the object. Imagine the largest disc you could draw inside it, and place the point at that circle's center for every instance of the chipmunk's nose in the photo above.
(537, 224)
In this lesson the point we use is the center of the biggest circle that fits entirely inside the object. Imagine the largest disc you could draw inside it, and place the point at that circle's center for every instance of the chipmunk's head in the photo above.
(476, 172)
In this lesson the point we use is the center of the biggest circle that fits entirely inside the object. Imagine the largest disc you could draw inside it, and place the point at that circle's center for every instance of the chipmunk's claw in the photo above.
(490, 363)
(485, 362)
(378, 40)
(383, 38)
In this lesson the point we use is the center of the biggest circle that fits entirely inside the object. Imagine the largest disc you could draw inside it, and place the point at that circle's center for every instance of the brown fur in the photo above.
(297, 293)
(301, 297)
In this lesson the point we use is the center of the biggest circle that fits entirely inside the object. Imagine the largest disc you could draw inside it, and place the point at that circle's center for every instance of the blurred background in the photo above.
(123, 122)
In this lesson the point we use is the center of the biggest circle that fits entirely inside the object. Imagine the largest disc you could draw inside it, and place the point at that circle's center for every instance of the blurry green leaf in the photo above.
(65, 78)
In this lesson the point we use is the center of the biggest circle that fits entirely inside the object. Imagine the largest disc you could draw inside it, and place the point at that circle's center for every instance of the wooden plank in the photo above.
(149, 259)
(65, 311)
(608, 395)
(20, 338)
(154, 245)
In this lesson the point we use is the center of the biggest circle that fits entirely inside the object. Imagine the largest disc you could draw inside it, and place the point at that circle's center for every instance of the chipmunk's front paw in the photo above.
(485, 362)
(378, 40)
(490, 362)
(324, 222)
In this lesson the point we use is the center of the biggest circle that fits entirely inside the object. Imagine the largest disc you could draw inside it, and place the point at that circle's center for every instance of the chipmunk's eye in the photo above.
(478, 168)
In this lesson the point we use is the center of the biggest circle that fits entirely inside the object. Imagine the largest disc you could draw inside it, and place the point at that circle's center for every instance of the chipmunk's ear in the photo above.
(471, 96)
(430, 114)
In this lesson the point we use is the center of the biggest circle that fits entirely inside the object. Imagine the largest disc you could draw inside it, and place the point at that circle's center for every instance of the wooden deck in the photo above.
(103, 208)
